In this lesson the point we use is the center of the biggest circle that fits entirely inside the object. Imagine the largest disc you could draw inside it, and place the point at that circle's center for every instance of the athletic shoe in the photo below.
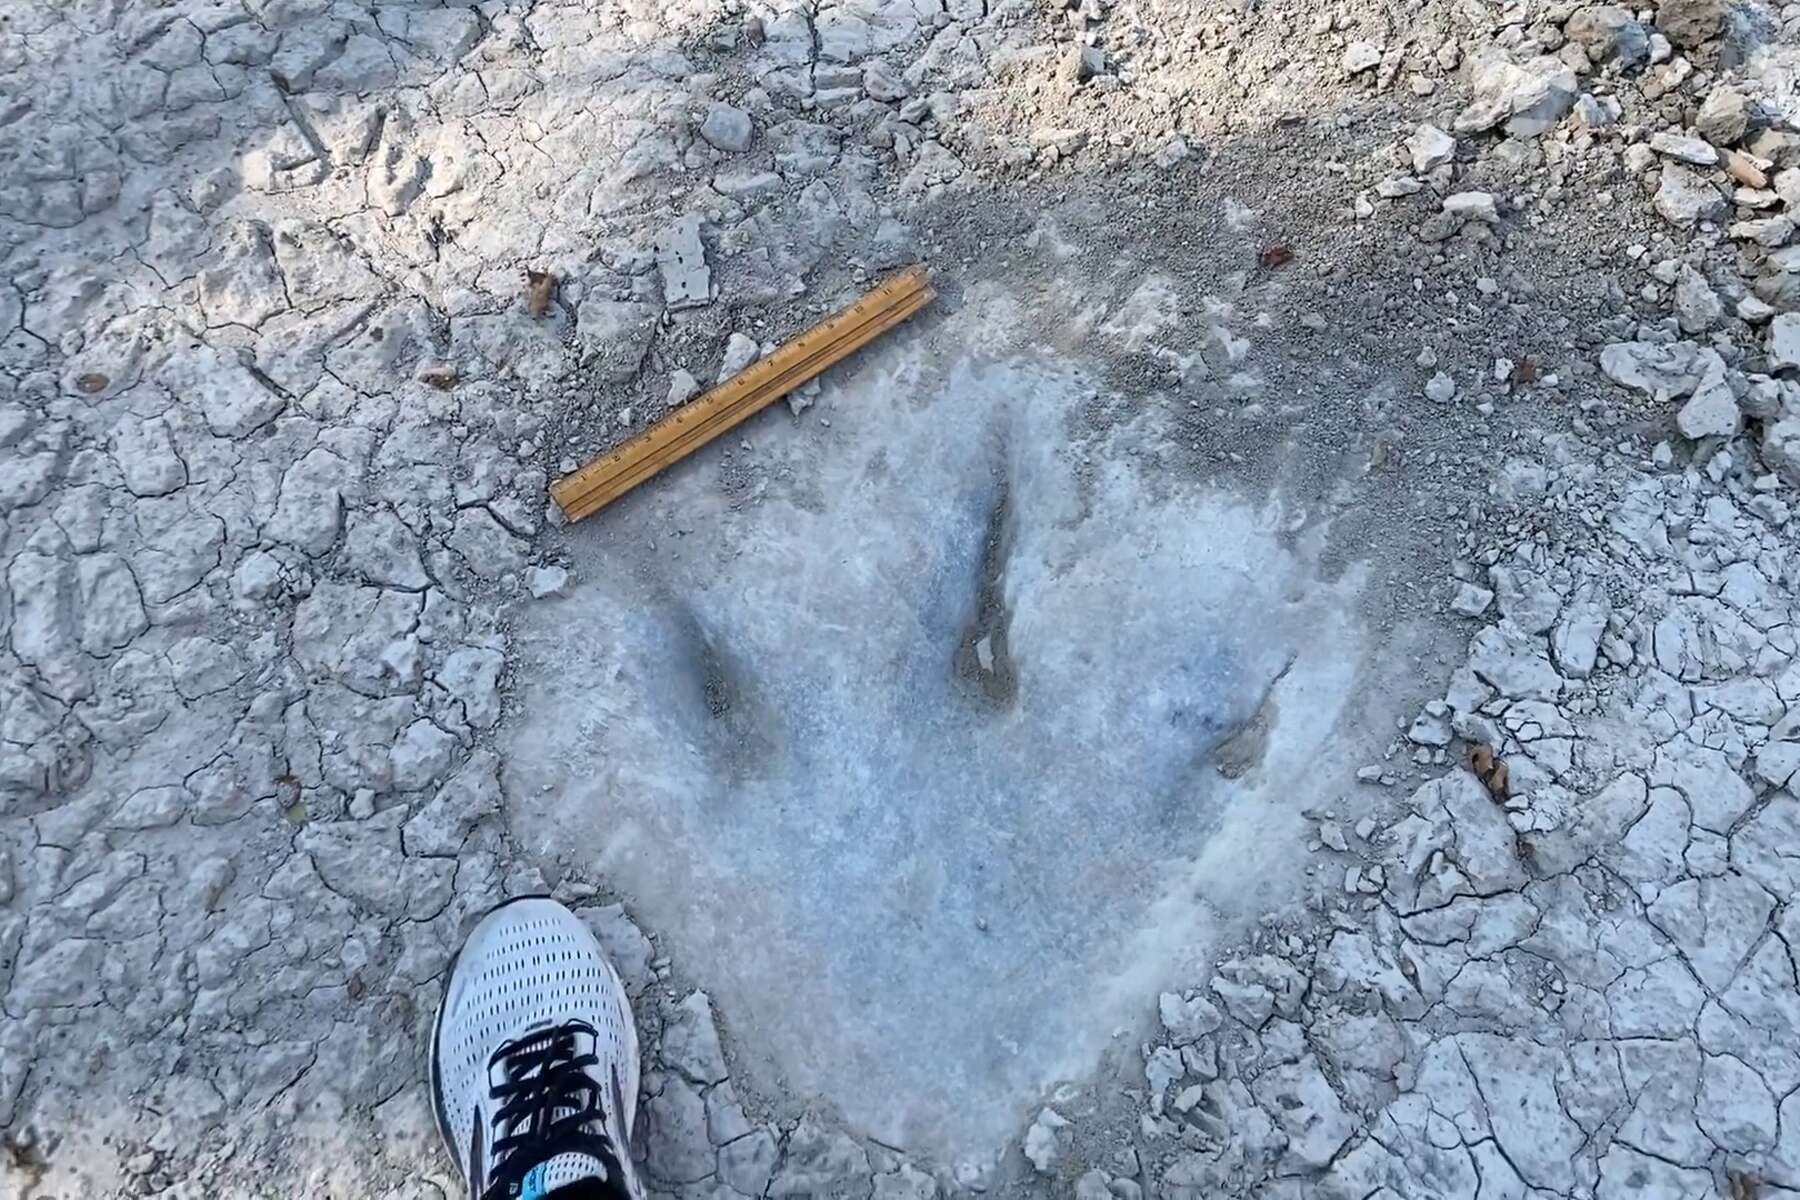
(534, 1060)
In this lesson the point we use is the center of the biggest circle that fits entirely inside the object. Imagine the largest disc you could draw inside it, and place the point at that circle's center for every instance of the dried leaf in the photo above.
(1274, 255)
(1488, 768)
(1525, 371)
(92, 382)
(540, 286)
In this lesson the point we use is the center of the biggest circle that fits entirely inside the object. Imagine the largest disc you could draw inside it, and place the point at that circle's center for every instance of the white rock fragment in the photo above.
(726, 1120)
(310, 507)
(882, 83)
(488, 548)
(1781, 448)
(1477, 206)
(615, 335)
(420, 756)
(379, 547)
(682, 387)
(1608, 32)
(367, 865)
(147, 458)
(1594, 113)
(1432, 726)
(1715, 922)
(1527, 599)
(740, 352)
(747, 1164)
(804, 396)
(1041, 1146)
(258, 576)
(1360, 57)
(984, 653)
(1697, 307)
(469, 796)
(1162, 1068)
(1695, 151)
(843, 36)
(1440, 387)
(1308, 1110)
(1529, 97)
(470, 678)
(821, 1162)
(1091, 62)
(727, 128)
(1782, 345)
(1430, 148)
(547, 582)
(150, 808)
(1724, 116)
(66, 973)
(1331, 836)
(1660, 370)
(681, 258)
(1471, 600)
(1786, 184)
(676, 1146)
(111, 606)
(1768, 232)
(1173, 151)
(1575, 643)
(1515, 663)
(1711, 412)
(691, 1041)
(1187, 1019)
(1685, 199)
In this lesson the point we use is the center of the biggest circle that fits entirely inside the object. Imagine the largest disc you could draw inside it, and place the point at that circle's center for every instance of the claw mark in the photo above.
(982, 654)
(1242, 750)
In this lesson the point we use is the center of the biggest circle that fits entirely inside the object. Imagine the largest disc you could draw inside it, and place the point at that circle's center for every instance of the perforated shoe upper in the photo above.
(535, 1057)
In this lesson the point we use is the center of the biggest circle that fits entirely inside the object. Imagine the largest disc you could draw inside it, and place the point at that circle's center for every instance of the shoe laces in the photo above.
(549, 1104)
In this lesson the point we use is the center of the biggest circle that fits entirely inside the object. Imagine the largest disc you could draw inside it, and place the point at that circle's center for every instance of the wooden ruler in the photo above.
(591, 488)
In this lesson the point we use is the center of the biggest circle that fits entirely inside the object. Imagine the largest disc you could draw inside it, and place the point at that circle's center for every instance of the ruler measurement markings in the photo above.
(720, 405)
(719, 413)
(709, 408)
(728, 404)
(603, 491)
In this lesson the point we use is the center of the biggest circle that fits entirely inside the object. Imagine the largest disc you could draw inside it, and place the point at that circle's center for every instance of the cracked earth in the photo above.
(1055, 752)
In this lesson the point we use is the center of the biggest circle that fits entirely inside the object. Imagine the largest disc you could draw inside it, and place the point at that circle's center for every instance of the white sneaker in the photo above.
(534, 1060)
